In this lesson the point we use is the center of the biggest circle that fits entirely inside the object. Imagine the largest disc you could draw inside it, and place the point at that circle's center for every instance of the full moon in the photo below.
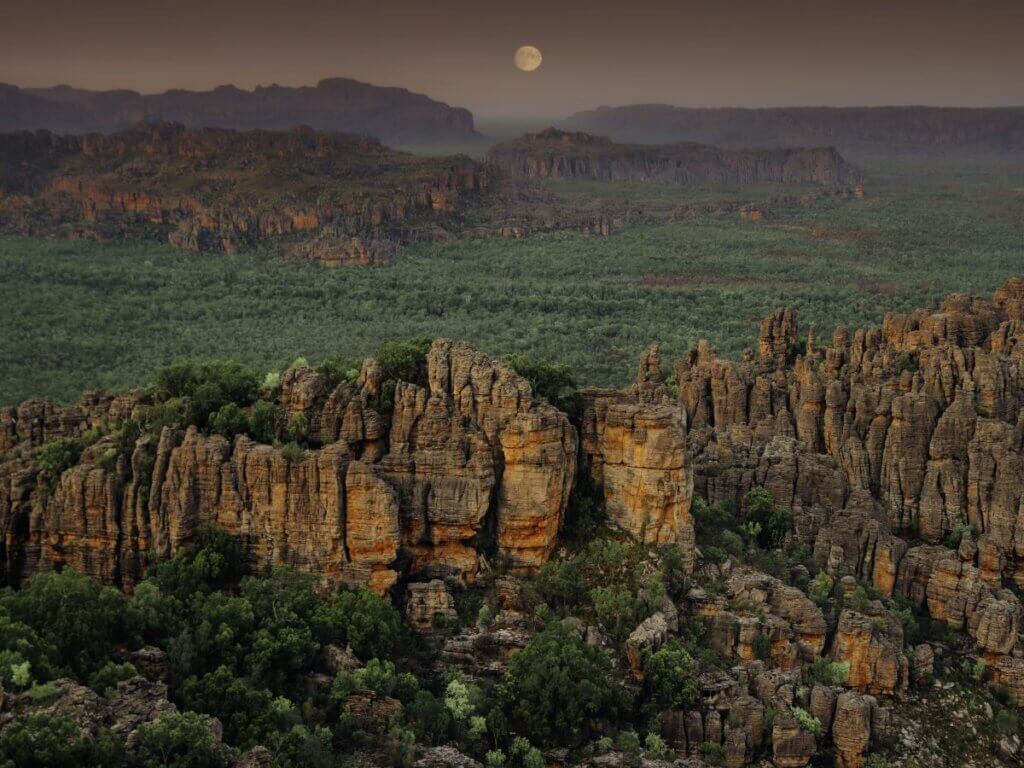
(528, 58)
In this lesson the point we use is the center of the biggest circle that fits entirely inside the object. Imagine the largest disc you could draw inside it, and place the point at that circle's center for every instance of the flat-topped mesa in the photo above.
(633, 445)
(469, 459)
(566, 155)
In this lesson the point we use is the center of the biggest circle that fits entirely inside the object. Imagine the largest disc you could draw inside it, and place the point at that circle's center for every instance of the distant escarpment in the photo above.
(565, 155)
(339, 199)
(222, 190)
(989, 129)
(336, 104)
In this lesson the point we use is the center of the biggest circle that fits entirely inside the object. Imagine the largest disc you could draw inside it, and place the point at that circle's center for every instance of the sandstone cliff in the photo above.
(222, 190)
(884, 444)
(471, 466)
(561, 155)
(898, 451)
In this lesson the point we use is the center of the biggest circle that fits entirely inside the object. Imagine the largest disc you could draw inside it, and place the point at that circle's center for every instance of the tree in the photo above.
(229, 420)
(554, 382)
(45, 741)
(669, 678)
(264, 421)
(72, 614)
(775, 523)
(181, 740)
(213, 561)
(404, 360)
(250, 715)
(556, 686)
(365, 622)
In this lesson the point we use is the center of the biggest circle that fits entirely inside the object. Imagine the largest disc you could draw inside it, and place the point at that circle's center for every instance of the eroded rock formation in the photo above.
(470, 456)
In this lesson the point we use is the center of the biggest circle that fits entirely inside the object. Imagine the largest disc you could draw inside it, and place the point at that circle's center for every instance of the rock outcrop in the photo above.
(633, 444)
(908, 431)
(469, 456)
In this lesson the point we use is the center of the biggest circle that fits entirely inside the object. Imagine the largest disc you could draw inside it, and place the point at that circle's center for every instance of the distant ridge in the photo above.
(553, 153)
(999, 129)
(393, 115)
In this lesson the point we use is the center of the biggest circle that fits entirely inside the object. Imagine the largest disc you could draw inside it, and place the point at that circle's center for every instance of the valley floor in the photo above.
(79, 315)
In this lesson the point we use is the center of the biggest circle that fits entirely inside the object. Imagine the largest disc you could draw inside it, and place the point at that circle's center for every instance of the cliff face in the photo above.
(348, 197)
(336, 104)
(898, 450)
(998, 129)
(563, 155)
(883, 445)
(468, 460)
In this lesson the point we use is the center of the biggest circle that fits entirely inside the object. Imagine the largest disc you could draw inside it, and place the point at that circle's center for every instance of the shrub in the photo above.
(556, 686)
(859, 600)
(104, 681)
(169, 413)
(401, 747)
(57, 456)
(820, 588)
(298, 428)
(229, 420)
(905, 361)
(655, 747)
(829, 672)
(428, 717)
(628, 743)
(903, 610)
(714, 754)
(954, 537)
(292, 452)
(763, 646)
(495, 758)
(1006, 722)
(807, 721)
(401, 361)
(1004, 695)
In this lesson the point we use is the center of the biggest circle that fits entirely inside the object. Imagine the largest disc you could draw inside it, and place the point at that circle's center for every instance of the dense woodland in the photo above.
(80, 315)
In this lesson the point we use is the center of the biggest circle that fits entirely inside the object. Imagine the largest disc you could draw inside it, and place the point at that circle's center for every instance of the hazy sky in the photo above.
(689, 52)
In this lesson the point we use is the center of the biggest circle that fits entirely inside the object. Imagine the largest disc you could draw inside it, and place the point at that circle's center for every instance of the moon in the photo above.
(528, 58)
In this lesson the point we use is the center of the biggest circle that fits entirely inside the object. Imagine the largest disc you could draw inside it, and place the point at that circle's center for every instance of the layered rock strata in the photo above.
(470, 458)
